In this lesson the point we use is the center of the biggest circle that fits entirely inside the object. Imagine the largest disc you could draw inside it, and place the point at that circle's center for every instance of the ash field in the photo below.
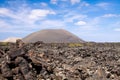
(76, 59)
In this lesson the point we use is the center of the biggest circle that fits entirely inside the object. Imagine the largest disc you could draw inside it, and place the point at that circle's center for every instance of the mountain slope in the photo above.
(52, 36)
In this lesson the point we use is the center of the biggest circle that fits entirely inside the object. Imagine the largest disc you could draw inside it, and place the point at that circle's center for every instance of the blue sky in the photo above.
(91, 20)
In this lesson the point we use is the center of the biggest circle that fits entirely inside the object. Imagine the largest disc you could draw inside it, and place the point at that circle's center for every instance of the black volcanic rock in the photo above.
(52, 36)
(44, 61)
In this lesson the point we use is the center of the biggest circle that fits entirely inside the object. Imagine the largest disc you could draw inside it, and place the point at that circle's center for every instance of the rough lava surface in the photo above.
(59, 61)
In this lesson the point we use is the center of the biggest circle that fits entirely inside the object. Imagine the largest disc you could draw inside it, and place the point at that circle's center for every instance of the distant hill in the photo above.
(11, 39)
(52, 36)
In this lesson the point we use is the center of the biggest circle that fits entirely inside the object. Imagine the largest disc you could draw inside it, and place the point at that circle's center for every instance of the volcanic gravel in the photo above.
(59, 61)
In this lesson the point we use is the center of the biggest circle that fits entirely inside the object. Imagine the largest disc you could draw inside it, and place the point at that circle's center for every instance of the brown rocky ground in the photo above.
(58, 61)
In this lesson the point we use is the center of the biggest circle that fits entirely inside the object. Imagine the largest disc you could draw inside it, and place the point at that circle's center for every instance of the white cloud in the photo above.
(4, 11)
(53, 1)
(64, 0)
(83, 4)
(43, 4)
(80, 23)
(74, 1)
(28, 16)
(117, 29)
(75, 17)
(37, 13)
(103, 5)
(23, 20)
(71, 16)
(86, 4)
(110, 15)
(52, 24)
(3, 24)
(7, 13)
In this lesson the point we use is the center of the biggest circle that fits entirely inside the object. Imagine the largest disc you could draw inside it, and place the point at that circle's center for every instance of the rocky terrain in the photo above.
(59, 61)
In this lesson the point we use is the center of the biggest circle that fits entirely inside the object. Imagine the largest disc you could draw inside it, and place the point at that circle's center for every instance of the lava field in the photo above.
(59, 61)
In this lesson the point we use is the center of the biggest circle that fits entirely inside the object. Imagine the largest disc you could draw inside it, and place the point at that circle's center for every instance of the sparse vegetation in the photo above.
(75, 45)
(4, 43)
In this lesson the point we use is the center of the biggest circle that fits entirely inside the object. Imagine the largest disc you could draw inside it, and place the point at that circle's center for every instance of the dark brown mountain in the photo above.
(52, 36)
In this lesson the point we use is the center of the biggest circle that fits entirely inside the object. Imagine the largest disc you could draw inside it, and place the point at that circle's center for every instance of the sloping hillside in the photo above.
(52, 36)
